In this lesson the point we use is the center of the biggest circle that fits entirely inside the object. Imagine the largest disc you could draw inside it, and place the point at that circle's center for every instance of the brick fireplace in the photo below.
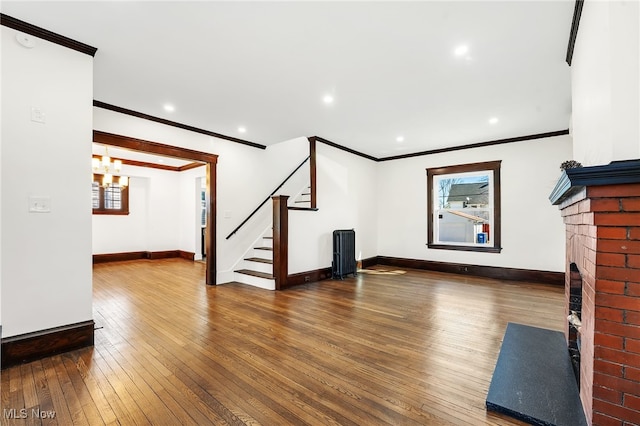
(600, 206)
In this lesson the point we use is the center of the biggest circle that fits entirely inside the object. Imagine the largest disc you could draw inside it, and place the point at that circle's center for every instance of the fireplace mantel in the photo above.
(600, 206)
(615, 173)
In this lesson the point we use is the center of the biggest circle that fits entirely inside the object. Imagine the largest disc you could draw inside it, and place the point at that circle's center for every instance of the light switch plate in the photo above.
(38, 115)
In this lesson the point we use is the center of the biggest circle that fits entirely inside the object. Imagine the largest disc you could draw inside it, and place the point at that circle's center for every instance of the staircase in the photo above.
(304, 199)
(257, 270)
(257, 267)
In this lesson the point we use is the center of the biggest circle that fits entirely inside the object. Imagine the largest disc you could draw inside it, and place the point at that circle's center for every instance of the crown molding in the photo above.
(25, 27)
(182, 126)
(478, 145)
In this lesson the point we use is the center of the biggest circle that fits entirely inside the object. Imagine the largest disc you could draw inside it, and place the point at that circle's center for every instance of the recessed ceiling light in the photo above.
(169, 108)
(493, 120)
(400, 139)
(461, 50)
(242, 129)
(328, 99)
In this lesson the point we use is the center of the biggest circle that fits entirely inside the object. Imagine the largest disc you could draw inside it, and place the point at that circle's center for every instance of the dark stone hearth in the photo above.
(533, 380)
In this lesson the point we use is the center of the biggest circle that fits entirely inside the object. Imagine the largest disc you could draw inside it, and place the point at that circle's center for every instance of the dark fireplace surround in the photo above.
(575, 308)
(600, 206)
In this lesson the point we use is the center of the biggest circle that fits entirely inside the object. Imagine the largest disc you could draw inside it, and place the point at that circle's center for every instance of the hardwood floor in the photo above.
(397, 348)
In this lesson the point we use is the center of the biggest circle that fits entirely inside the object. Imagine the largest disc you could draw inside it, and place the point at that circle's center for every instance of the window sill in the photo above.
(465, 248)
(111, 212)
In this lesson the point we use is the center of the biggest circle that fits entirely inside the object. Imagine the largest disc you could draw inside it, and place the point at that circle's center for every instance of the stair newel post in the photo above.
(280, 240)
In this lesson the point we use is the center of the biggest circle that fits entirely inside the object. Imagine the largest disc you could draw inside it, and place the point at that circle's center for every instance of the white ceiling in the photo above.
(390, 67)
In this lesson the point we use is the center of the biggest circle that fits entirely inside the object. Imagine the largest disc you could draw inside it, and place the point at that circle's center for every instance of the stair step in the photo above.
(255, 274)
(268, 238)
(260, 260)
(306, 209)
(303, 201)
(264, 248)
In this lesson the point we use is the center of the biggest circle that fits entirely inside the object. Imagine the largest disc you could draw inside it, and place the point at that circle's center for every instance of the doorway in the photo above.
(199, 158)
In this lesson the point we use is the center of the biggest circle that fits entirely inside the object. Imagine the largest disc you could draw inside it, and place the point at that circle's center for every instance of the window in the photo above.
(113, 199)
(464, 207)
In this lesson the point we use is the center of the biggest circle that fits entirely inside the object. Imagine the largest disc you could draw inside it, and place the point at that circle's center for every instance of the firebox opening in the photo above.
(575, 318)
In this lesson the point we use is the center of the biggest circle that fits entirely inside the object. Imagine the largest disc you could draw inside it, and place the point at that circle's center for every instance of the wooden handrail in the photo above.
(267, 199)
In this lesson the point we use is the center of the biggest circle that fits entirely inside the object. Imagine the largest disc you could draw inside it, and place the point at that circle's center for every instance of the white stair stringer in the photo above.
(266, 283)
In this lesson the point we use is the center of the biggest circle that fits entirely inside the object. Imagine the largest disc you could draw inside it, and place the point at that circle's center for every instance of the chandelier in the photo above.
(107, 168)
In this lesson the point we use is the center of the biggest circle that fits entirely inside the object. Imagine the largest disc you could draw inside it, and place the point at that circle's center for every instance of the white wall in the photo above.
(117, 234)
(46, 257)
(161, 214)
(246, 175)
(605, 83)
(189, 209)
(1, 109)
(532, 230)
(346, 199)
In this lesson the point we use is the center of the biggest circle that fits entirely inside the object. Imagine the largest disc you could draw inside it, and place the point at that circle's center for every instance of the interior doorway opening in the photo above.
(198, 158)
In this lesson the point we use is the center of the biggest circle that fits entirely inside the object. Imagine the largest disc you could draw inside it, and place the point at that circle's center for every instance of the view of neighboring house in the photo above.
(466, 215)
(468, 195)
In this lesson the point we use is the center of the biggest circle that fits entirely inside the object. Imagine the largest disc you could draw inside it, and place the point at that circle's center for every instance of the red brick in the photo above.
(632, 345)
(589, 230)
(632, 318)
(617, 274)
(608, 368)
(600, 419)
(633, 261)
(614, 410)
(634, 233)
(629, 204)
(585, 219)
(585, 205)
(612, 233)
(619, 246)
(617, 357)
(617, 329)
(631, 373)
(572, 209)
(606, 394)
(615, 315)
(614, 219)
(622, 190)
(610, 259)
(608, 340)
(605, 205)
(610, 287)
(617, 301)
(633, 289)
(633, 402)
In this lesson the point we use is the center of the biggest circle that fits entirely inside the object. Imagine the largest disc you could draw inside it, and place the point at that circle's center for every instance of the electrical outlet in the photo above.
(307, 279)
